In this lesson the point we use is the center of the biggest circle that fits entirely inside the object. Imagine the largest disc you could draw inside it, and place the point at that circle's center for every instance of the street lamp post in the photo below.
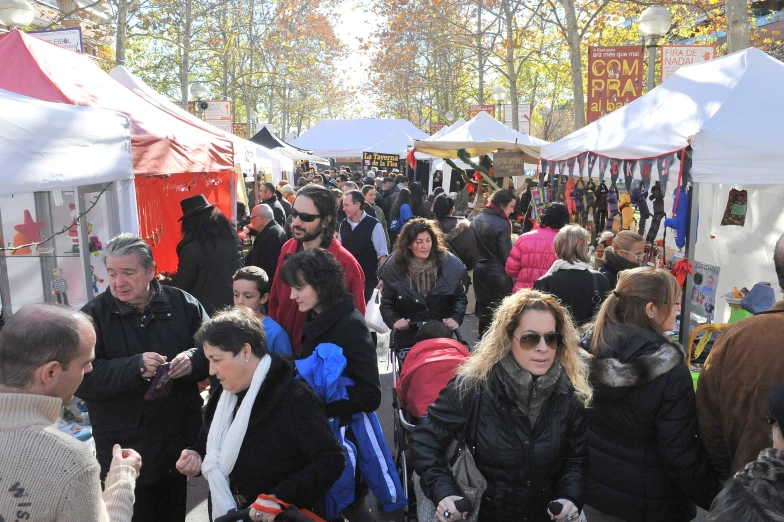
(252, 117)
(199, 91)
(654, 22)
(16, 13)
(499, 95)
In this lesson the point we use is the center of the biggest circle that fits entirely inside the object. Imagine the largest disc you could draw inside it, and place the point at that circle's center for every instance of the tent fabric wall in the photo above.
(46, 146)
(160, 193)
(745, 254)
(348, 138)
(160, 143)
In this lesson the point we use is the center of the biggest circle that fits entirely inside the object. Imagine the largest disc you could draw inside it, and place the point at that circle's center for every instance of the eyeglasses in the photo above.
(530, 340)
(638, 257)
(771, 420)
(307, 218)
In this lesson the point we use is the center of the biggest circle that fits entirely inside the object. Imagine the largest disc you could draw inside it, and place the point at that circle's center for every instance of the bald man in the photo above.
(269, 239)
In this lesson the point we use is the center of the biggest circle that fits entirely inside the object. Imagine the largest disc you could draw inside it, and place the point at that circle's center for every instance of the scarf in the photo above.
(498, 211)
(528, 395)
(225, 439)
(422, 275)
(561, 264)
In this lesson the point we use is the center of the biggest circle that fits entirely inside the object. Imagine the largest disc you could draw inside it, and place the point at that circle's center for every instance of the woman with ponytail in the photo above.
(647, 464)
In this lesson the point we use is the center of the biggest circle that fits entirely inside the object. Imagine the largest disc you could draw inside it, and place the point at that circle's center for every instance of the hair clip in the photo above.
(616, 294)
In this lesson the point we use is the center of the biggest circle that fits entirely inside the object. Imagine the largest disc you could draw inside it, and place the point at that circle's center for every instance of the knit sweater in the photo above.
(47, 475)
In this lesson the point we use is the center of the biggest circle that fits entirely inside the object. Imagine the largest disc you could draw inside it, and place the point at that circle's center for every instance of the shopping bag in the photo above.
(373, 314)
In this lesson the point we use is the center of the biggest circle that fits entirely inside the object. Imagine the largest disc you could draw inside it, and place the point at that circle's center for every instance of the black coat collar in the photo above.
(318, 324)
(159, 303)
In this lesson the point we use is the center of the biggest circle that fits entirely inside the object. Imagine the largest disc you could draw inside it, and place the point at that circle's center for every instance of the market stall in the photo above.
(348, 138)
(735, 146)
(191, 159)
(60, 163)
(269, 141)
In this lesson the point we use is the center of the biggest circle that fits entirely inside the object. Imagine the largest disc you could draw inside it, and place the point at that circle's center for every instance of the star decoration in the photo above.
(30, 229)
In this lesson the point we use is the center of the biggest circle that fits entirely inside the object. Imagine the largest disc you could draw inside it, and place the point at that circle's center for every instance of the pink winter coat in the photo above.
(532, 256)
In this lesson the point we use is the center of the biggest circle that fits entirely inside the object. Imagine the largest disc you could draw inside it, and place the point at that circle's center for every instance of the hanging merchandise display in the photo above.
(569, 195)
(657, 196)
(601, 206)
(735, 213)
(612, 207)
(578, 197)
(627, 211)
(679, 222)
(639, 197)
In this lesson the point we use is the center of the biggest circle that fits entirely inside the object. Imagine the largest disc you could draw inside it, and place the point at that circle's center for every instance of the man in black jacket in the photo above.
(268, 197)
(493, 232)
(270, 238)
(141, 325)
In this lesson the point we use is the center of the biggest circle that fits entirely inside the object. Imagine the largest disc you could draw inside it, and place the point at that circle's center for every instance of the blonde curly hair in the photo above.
(497, 343)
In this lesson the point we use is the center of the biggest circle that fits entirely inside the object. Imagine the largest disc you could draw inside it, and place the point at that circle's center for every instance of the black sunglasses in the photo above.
(771, 420)
(530, 340)
(307, 218)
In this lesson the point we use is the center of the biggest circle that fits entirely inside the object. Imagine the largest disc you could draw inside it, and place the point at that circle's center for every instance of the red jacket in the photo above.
(286, 312)
(531, 257)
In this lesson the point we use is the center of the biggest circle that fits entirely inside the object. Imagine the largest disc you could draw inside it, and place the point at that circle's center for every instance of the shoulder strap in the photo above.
(471, 425)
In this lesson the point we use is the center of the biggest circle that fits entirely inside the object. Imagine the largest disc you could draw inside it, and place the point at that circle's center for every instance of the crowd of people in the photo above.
(575, 402)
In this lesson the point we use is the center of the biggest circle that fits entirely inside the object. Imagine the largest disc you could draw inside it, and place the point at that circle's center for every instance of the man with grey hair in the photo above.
(269, 239)
(744, 364)
(143, 327)
(45, 351)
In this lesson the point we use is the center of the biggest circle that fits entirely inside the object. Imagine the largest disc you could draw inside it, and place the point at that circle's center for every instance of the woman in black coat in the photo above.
(209, 253)
(570, 279)
(288, 450)
(422, 281)
(626, 252)
(647, 464)
(493, 232)
(318, 285)
(458, 236)
(530, 385)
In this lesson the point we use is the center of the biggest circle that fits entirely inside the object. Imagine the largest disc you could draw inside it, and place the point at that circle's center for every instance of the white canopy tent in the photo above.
(62, 148)
(481, 135)
(736, 141)
(395, 143)
(349, 138)
(246, 153)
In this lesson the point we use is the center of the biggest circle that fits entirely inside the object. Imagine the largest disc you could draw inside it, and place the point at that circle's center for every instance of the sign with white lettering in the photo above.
(70, 38)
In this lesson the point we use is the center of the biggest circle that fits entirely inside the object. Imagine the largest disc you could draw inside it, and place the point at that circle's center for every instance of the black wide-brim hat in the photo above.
(194, 204)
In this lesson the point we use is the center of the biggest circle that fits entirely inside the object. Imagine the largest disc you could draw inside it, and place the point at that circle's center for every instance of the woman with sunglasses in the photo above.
(647, 464)
(529, 385)
(627, 251)
(422, 281)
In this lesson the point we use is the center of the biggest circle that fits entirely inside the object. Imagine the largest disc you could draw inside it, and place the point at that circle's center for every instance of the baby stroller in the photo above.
(419, 374)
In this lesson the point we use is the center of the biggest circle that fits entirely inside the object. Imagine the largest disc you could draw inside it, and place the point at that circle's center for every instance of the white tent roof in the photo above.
(459, 123)
(483, 134)
(349, 138)
(715, 105)
(47, 146)
(244, 151)
(395, 143)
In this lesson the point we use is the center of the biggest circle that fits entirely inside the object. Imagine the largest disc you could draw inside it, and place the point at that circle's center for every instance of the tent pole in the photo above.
(691, 245)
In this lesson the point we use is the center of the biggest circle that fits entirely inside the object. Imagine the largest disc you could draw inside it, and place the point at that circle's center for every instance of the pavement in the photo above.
(369, 511)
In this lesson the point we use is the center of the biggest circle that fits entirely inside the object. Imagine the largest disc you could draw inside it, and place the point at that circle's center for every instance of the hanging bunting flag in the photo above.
(628, 172)
(646, 166)
(570, 164)
(562, 168)
(615, 170)
(551, 170)
(664, 163)
(543, 170)
(592, 156)
(602, 167)
(581, 160)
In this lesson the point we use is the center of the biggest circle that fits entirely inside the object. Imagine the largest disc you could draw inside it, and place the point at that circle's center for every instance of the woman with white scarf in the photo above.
(264, 432)
(571, 279)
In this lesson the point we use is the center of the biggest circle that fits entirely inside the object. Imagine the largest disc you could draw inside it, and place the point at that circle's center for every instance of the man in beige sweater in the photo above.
(47, 475)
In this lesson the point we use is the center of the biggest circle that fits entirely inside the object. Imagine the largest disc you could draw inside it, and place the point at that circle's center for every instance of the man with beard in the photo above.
(313, 225)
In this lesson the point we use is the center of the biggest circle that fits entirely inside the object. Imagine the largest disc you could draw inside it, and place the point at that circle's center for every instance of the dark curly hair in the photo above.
(555, 216)
(503, 197)
(324, 202)
(408, 235)
(207, 225)
(318, 268)
(442, 206)
(231, 329)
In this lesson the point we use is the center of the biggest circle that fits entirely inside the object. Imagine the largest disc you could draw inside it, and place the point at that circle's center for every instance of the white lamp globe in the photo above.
(499, 93)
(655, 21)
(198, 90)
(16, 13)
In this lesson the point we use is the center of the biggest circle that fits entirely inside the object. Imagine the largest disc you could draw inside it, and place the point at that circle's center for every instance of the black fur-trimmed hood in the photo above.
(636, 357)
